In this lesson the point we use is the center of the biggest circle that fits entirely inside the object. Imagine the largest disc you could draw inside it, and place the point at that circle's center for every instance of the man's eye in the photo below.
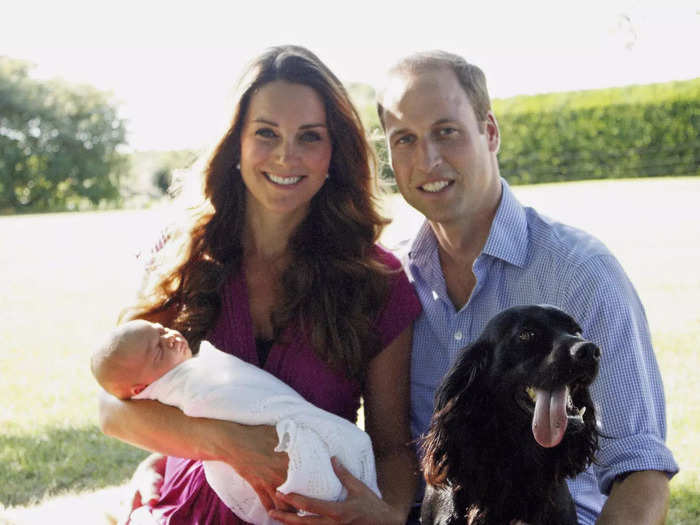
(405, 139)
(526, 336)
(446, 132)
(266, 133)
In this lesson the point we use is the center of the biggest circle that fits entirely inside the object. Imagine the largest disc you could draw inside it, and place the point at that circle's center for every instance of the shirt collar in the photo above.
(507, 238)
(424, 245)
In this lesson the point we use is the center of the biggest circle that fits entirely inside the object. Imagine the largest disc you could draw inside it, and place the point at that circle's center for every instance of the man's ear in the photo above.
(137, 389)
(493, 134)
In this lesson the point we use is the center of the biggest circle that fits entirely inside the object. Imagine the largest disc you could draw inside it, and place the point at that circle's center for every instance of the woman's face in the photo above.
(285, 149)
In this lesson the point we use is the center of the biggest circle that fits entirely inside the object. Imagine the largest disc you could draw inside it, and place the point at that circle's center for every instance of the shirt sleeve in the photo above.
(628, 391)
(402, 306)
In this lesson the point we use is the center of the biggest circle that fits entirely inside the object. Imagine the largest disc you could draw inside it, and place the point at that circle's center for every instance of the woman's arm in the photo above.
(387, 405)
(387, 422)
(161, 428)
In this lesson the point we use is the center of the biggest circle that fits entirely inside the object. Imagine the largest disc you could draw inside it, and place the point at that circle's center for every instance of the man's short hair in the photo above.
(470, 77)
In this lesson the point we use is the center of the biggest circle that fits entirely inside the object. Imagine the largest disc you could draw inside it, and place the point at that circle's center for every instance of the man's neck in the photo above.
(462, 241)
(459, 245)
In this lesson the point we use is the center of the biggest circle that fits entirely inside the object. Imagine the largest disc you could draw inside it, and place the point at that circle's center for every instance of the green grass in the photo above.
(64, 278)
(679, 359)
(56, 460)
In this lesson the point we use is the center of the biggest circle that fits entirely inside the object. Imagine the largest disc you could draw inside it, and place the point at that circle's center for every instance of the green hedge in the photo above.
(637, 131)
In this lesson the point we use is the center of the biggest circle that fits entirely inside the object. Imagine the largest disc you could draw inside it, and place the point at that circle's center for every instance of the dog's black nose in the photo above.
(585, 351)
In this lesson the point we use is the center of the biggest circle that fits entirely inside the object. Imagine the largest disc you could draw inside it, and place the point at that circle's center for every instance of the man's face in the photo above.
(444, 159)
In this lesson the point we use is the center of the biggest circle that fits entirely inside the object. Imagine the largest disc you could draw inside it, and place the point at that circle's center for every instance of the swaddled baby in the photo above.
(143, 360)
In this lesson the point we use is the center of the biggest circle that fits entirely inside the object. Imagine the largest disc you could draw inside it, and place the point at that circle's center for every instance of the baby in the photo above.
(135, 355)
(143, 360)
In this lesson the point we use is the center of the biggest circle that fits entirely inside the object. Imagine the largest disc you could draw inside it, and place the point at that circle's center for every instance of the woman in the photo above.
(280, 268)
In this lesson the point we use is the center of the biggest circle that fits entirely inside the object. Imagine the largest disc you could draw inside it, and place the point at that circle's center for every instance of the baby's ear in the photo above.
(137, 389)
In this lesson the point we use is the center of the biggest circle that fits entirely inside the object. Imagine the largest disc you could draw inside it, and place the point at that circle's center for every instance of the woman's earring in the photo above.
(328, 175)
(238, 166)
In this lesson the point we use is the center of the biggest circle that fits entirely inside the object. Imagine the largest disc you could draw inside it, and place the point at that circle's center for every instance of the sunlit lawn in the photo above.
(64, 278)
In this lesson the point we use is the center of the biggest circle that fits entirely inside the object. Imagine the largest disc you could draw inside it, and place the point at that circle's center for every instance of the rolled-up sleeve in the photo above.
(628, 392)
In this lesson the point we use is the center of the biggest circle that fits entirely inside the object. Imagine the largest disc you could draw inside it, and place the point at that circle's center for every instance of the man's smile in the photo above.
(435, 186)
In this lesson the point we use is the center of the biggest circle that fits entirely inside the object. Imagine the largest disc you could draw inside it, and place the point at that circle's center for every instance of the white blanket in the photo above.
(221, 386)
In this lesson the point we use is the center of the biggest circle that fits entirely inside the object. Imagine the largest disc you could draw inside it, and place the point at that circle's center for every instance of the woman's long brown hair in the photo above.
(335, 286)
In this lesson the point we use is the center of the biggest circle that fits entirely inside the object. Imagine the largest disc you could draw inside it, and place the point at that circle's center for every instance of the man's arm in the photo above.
(603, 300)
(640, 499)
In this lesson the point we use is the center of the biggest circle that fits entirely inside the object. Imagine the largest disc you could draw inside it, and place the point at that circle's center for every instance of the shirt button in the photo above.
(458, 335)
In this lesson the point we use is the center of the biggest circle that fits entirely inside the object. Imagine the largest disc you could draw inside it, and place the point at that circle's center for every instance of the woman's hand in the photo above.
(253, 457)
(362, 506)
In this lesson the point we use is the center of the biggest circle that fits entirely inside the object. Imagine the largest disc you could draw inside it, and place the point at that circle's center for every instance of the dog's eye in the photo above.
(526, 336)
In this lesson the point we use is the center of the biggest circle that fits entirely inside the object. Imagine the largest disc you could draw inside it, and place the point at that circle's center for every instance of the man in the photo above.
(480, 251)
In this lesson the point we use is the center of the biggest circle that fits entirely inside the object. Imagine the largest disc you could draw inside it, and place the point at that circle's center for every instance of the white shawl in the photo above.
(217, 385)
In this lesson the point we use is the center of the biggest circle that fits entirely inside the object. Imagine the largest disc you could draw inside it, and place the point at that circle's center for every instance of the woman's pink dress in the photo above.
(186, 498)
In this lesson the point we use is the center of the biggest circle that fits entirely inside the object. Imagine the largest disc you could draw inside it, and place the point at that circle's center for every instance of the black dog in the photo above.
(513, 419)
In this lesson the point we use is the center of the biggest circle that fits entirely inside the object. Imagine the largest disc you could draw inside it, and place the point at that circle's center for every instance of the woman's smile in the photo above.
(283, 180)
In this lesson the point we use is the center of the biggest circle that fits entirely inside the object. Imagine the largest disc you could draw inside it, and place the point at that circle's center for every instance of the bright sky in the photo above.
(172, 64)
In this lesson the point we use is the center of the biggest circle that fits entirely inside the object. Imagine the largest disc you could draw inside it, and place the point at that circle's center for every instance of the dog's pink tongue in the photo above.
(549, 420)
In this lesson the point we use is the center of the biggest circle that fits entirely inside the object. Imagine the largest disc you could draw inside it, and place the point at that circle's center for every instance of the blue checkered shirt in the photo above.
(529, 259)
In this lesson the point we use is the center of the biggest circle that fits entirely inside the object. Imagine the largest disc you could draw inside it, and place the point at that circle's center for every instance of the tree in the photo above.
(364, 98)
(59, 143)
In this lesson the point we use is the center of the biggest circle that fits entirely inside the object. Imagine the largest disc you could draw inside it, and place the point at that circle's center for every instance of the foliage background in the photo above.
(59, 143)
(62, 146)
(637, 131)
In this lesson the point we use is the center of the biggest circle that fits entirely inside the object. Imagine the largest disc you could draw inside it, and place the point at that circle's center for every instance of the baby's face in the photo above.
(162, 349)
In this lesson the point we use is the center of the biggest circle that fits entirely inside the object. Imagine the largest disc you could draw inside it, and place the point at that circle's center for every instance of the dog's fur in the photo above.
(481, 459)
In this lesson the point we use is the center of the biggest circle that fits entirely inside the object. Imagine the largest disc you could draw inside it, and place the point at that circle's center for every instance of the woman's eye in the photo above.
(310, 136)
(266, 133)
(526, 336)
(405, 139)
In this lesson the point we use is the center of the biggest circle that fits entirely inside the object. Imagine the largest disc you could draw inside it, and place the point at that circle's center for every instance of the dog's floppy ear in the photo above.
(469, 364)
(450, 422)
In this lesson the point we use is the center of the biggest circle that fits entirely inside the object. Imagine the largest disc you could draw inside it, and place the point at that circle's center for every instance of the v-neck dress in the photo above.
(186, 498)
